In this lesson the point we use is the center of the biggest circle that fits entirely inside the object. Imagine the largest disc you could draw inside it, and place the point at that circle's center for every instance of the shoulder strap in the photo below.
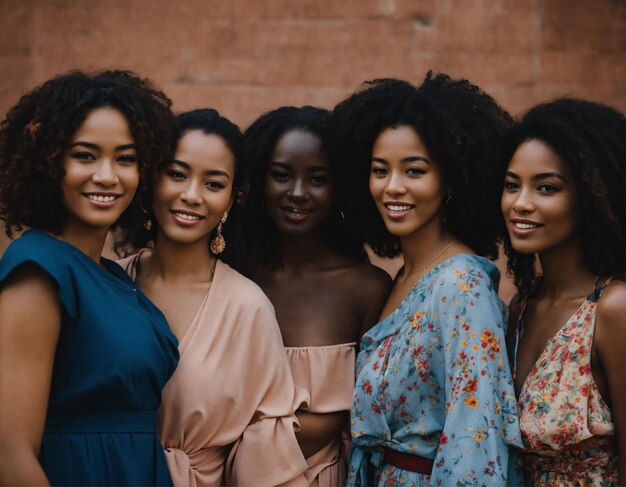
(597, 290)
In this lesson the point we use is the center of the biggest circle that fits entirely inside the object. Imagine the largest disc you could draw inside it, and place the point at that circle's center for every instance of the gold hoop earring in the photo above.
(218, 244)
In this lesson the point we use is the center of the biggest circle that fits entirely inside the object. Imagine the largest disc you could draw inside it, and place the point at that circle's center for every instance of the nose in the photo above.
(395, 185)
(523, 202)
(298, 191)
(191, 194)
(105, 173)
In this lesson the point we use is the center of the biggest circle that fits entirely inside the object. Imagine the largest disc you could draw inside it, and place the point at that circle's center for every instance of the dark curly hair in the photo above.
(36, 132)
(208, 121)
(260, 233)
(590, 139)
(461, 127)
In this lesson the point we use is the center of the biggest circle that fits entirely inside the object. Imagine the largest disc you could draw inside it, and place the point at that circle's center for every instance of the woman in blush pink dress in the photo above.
(301, 252)
(227, 416)
(563, 202)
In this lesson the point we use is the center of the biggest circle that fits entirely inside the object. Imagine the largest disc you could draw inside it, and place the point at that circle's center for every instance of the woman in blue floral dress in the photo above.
(434, 401)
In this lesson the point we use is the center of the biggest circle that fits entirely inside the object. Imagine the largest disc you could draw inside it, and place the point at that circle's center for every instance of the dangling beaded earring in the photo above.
(218, 244)
(147, 224)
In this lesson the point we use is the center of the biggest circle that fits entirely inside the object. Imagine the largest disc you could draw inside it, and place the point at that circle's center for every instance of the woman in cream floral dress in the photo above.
(563, 200)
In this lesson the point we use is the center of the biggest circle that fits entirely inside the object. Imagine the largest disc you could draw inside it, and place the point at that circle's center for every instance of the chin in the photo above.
(525, 246)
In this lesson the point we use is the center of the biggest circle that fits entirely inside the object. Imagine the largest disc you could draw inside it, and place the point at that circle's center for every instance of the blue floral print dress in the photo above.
(433, 380)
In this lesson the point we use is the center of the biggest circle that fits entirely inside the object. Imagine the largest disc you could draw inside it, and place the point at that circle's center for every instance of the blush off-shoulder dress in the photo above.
(567, 427)
(114, 355)
(228, 413)
(433, 381)
(324, 377)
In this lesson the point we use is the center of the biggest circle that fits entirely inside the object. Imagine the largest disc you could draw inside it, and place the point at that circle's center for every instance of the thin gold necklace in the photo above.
(437, 256)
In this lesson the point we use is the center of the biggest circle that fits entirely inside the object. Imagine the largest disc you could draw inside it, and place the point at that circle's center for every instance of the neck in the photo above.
(173, 261)
(301, 251)
(88, 240)
(421, 247)
(564, 273)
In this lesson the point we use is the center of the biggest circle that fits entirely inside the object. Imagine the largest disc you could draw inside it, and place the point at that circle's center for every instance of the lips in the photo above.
(521, 227)
(186, 218)
(102, 200)
(295, 213)
(397, 210)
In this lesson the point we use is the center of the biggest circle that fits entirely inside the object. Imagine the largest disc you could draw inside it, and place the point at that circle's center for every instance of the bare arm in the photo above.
(610, 345)
(375, 288)
(30, 323)
(318, 430)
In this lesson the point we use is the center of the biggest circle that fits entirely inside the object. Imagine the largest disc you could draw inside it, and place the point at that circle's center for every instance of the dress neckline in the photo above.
(520, 331)
(592, 298)
(193, 324)
(375, 331)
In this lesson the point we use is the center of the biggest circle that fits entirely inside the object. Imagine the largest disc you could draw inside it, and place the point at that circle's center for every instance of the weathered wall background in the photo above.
(247, 56)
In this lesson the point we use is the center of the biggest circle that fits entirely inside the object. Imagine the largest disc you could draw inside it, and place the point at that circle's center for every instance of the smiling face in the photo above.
(195, 189)
(407, 186)
(298, 189)
(101, 171)
(538, 199)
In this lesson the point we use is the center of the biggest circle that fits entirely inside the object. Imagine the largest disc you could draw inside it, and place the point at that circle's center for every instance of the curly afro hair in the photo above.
(461, 127)
(36, 132)
(208, 121)
(260, 234)
(590, 139)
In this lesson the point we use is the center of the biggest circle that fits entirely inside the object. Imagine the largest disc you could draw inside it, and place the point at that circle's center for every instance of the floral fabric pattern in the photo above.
(566, 425)
(433, 381)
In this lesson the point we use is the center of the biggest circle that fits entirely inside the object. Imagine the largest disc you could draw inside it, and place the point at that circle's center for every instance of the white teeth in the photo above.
(95, 197)
(525, 226)
(185, 216)
(398, 207)
(296, 211)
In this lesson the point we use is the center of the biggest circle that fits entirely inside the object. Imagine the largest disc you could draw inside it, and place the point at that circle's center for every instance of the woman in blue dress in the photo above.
(434, 401)
(83, 353)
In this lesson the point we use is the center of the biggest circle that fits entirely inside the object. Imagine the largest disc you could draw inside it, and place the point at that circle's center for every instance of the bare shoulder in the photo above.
(367, 282)
(372, 276)
(612, 309)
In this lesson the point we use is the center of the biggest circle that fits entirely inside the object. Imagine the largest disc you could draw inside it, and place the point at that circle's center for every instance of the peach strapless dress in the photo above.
(324, 377)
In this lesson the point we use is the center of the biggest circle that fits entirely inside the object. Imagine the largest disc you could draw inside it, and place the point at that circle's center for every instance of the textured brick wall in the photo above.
(247, 56)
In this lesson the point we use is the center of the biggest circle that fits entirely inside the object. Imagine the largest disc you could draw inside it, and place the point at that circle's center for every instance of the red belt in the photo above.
(409, 462)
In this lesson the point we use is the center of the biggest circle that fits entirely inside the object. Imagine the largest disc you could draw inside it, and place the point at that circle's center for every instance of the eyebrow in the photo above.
(96, 147)
(542, 175)
(403, 160)
(210, 172)
(282, 165)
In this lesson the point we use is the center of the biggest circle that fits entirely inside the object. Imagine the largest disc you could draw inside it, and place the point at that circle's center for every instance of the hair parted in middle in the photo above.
(260, 233)
(460, 125)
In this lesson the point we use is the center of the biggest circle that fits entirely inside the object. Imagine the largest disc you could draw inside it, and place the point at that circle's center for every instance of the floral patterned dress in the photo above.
(433, 381)
(566, 425)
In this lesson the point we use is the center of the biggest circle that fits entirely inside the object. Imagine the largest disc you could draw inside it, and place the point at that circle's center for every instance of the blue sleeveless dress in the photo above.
(115, 353)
